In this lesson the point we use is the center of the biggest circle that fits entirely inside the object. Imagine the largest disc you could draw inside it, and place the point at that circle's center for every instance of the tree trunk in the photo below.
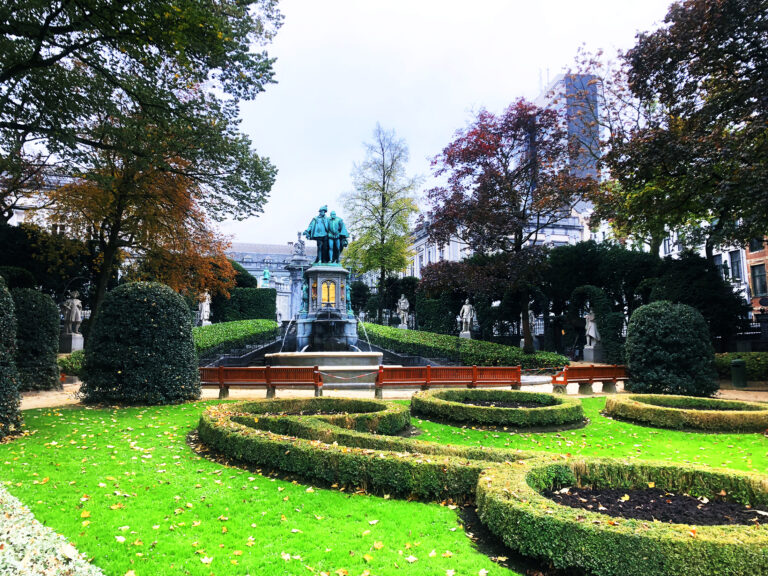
(382, 275)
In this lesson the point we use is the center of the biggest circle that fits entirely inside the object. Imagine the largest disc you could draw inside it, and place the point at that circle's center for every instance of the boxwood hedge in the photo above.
(37, 339)
(323, 439)
(452, 405)
(10, 415)
(688, 412)
(467, 352)
(226, 336)
(510, 504)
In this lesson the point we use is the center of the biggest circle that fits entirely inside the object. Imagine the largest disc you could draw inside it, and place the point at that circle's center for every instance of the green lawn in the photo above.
(126, 489)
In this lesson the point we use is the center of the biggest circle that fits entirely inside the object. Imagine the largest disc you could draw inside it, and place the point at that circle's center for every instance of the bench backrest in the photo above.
(596, 372)
(259, 374)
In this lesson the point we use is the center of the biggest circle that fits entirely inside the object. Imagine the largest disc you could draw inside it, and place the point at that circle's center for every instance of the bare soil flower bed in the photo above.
(655, 504)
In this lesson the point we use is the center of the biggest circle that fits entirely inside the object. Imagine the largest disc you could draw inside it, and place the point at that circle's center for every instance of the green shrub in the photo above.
(435, 316)
(467, 352)
(221, 338)
(37, 339)
(16, 277)
(245, 304)
(72, 364)
(509, 503)
(686, 412)
(757, 365)
(343, 441)
(669, 351)
(140, 349)
(452, 405)
(10, 415)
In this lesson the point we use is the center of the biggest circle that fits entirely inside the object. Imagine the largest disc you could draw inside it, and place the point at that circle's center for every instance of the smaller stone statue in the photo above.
(590, 329)
(72, 310)
(402, 310)
(338, 235)
(304, 297)
(467, 316)
(265, 277)
(532, 322)
(300, 246)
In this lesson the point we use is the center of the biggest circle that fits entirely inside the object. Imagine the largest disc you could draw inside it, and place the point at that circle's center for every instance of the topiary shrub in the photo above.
(16, 277)
(140, 349)
(37, 339)
(10, 415)
(669, 351)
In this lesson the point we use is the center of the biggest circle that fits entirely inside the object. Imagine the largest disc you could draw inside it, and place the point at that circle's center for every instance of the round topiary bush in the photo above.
(669, 351)
(37, 339)
(511, 504)
(140, 349)
(497, 407)
(10, 415)
(686, 412)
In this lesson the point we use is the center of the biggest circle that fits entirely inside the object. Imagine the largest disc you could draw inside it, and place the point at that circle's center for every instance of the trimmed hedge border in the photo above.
(467, 352)
(451, 405)
(667, 411)
(225, 336)
(332, 448)
(510, 504)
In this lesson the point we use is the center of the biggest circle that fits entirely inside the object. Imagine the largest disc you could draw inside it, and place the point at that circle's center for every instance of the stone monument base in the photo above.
(594, 354)
(70, 342)
(403, 326)
(466, 334)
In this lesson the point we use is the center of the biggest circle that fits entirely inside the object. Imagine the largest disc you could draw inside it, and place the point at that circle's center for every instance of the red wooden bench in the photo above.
(426, 377)
(585, 376)
(269, 377)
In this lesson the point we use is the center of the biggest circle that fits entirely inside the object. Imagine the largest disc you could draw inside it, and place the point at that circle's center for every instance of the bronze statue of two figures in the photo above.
(330, 234)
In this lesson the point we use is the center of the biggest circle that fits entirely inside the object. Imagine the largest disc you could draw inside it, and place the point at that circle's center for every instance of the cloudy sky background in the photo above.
(420, 67)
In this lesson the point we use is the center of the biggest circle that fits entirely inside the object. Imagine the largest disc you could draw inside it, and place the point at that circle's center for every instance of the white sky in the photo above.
(420, 67)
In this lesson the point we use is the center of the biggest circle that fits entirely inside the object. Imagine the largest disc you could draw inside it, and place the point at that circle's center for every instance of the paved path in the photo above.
(68, 395)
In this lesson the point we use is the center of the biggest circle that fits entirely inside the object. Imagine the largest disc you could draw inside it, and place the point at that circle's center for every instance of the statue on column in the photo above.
(590, 329)
(304, 297)
(402, 310)
(298, 248)
(337, 232)
(72, 309)
(348, 295)
(467, 316)
(318, 230)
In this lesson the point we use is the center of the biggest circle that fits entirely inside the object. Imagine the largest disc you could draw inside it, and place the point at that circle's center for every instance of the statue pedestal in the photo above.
(70, 342)
(466, 334)
(403, 326)
(594, 354)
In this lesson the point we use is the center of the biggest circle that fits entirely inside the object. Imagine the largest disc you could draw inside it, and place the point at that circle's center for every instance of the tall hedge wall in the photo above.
(37, 339)
(246, 304)
(10, 415)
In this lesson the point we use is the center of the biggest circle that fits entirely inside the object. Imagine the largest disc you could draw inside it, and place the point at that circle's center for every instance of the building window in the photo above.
(722, 270)
(666, 246)
(442, 253)
(421, 261)
(735, 257)
(756, 244)
(758, 281)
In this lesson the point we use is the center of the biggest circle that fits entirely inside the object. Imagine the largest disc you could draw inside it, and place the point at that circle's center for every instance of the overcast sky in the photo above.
(420, 67)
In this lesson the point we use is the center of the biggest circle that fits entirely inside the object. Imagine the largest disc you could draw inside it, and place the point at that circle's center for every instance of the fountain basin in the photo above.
(340, 369)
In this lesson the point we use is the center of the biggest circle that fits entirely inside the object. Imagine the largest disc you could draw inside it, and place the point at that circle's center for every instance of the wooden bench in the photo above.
(426, 377)
(585, 376)
(269, 377)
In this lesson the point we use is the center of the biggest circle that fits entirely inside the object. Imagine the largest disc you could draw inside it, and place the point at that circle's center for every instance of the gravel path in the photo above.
(27, 548)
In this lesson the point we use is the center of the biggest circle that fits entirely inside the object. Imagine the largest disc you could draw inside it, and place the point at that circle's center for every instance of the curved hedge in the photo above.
(510, 504)
(140, 349)
(451, 405)
(467, 352)
(702, 413)
(37, 339)
(220, 338)
(348, 448)
(10, 415)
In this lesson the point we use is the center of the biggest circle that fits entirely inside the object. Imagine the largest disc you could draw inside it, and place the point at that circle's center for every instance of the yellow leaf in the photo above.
(117, 506)
(624, 498)
(238, 552)
(130, 573)
(651, 484)
(367, 557)
(378, 545)
(85, 514)
(86, 522)
(223, 529)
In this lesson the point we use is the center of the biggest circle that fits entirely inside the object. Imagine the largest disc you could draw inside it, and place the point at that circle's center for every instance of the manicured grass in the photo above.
(614, 439)
(99, 476)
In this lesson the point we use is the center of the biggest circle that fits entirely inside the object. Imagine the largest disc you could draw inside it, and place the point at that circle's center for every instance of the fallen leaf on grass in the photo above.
(206, 559)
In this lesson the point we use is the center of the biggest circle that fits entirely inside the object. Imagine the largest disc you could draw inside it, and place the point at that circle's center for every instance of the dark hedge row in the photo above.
(331, 448)
(245, 304)
(757, 365)
(221, 338)
(510, 504)
(452, 406)
(10, 400)
(467, 352)
(140, 349)
(685, 412)
(37, 340)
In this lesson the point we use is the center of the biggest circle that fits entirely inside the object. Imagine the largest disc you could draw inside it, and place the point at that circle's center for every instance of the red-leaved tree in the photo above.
(508, 177)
